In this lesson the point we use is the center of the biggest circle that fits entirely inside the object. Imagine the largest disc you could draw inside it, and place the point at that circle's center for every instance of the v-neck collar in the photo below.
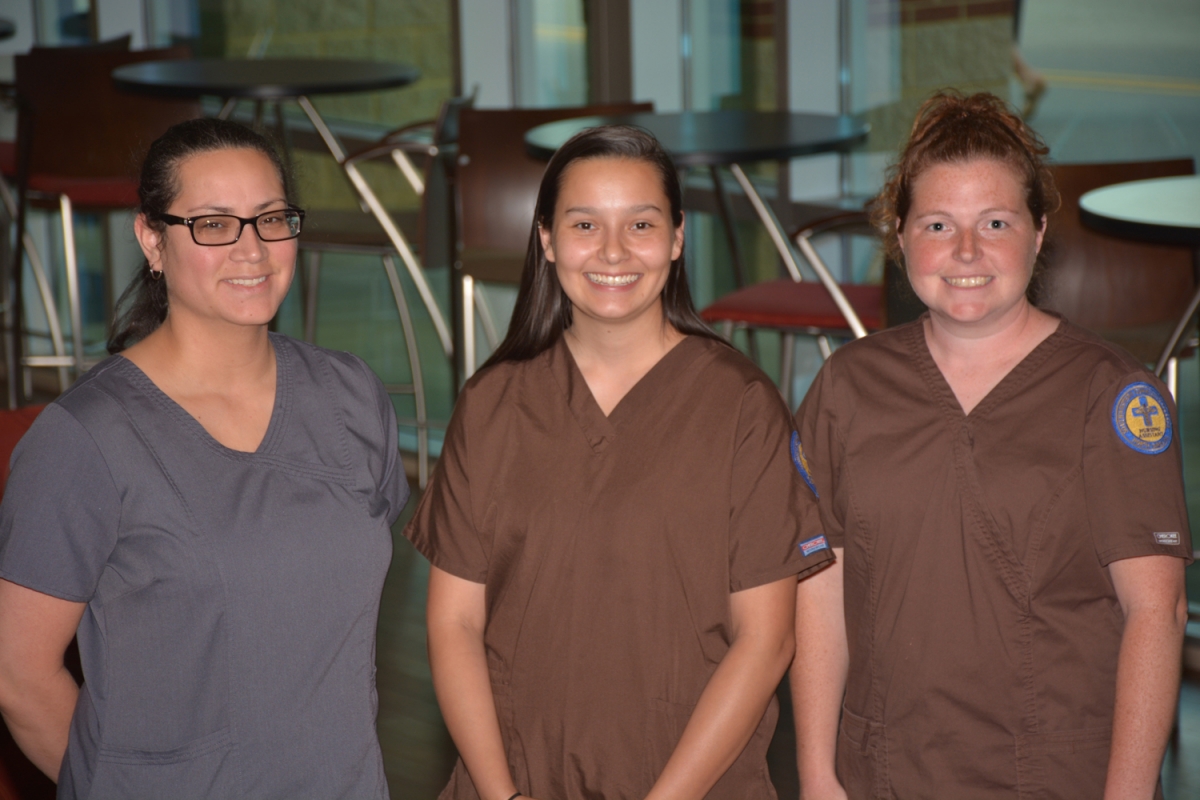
(1013, 380)
(279, 407)
(598, 428)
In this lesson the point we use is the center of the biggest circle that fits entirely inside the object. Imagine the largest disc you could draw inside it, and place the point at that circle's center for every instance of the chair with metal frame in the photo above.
(80, 143)
(793, 305)
(496, 184)
(387, 235)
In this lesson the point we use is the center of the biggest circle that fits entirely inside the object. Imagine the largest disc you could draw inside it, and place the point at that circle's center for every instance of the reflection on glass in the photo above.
(63, 22)
(551, 38)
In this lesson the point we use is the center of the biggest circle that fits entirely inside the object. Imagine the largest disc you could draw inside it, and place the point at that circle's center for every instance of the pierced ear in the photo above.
(150, 240)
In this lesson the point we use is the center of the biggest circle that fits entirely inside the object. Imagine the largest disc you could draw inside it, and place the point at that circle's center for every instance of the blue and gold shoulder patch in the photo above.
(1141, 419)
(802, 464)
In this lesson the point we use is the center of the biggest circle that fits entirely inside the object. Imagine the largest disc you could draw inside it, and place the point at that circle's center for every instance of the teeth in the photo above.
(611, 280)
(969, 283)
(247, 281)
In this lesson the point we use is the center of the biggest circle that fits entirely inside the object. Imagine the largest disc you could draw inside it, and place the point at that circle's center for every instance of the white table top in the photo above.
(1167, 202)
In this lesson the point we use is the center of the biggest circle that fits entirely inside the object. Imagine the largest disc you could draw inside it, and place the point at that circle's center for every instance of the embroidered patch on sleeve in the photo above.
(1141, 420)
(802, 464)
(813, 545)
(1167, 537)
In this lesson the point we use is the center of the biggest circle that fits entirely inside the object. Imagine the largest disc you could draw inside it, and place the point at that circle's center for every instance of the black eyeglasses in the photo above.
(215, 230)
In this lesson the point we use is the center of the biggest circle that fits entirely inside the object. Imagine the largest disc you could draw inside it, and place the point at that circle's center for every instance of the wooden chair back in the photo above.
(497, 183)
(1129, 292)
(74, 123)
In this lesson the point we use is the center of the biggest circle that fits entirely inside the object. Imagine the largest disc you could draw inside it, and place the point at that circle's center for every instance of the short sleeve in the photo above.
(1134, 485)
(61, 510)
(443, 528)
(819, 441)
(770, 503)
(393, 482)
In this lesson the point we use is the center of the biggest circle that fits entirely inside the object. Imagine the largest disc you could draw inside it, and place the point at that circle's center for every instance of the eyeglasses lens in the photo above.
(274, 226)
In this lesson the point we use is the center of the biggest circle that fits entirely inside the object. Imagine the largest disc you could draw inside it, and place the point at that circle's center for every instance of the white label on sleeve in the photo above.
(1170, 537)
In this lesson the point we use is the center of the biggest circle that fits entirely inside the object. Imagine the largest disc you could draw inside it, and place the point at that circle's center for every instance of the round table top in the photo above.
(1163, 210)
(707, 138)
(261, 79)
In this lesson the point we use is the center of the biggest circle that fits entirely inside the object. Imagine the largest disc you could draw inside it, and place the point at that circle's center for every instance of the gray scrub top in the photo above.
(228, 643)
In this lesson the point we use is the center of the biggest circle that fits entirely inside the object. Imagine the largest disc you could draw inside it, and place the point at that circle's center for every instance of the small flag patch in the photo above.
(814, 545)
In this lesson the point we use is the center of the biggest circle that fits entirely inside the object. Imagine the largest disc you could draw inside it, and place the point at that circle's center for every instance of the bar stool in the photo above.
(80, 143)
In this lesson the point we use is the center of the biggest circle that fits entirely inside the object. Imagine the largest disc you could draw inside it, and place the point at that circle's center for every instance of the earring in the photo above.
(156, 274)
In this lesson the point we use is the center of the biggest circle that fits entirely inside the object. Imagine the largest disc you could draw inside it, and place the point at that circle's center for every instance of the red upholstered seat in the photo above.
(90, 192)
(788, 305)
(13, 425)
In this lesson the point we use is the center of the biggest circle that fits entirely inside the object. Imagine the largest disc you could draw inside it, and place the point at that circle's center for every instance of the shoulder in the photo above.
(490, 386)
(888, 345)
(1103, 369)
(722, 371)
(104, 393)
(345, 368)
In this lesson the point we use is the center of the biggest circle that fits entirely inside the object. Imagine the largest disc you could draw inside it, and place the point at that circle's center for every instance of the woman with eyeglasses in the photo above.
(210, 509)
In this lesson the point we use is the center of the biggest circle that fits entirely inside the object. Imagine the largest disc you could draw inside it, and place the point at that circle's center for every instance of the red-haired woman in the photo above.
(1004, 491)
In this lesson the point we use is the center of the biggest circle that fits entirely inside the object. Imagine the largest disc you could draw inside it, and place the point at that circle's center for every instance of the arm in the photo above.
(818, 679)
(37, 694)
(456, 617)
(1151, 592)
(733, 702)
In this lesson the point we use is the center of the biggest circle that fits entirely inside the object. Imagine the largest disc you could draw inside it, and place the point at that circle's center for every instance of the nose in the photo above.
(612, 247)
(967, 246)
(249, 247)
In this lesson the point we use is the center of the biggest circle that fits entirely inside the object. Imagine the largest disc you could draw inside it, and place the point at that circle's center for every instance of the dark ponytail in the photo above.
(143, 305)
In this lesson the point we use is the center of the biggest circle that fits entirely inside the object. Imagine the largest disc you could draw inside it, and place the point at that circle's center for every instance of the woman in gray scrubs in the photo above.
(209, 509)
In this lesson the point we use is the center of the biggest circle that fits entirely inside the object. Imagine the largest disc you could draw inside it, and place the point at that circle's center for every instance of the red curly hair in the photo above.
(953, 127)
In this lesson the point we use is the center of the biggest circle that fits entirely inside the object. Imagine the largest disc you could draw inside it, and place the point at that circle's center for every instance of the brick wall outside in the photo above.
(416, 32)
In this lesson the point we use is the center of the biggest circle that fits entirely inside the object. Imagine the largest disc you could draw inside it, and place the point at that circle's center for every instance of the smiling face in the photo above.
(612, 241)
(970, 244)
(242, 283)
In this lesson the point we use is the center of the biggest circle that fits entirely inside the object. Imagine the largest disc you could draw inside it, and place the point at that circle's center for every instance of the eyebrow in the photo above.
(937, 212)
(227, 210)
(632, 209)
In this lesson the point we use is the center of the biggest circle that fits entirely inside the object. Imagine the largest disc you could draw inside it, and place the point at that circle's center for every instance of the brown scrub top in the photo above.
(609, 547)
(983, 626)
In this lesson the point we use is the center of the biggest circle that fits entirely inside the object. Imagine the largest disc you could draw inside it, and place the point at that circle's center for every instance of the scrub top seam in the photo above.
(196, 431)
(877, 694)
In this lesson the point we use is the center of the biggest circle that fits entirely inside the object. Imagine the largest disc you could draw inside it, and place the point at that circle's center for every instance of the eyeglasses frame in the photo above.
(171, 219)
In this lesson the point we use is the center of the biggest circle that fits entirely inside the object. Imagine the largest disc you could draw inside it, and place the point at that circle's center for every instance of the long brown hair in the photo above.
(543, 310)
(953, 127)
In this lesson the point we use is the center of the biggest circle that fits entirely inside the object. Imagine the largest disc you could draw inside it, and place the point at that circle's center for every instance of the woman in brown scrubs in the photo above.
(614, 523)
(1004, 493)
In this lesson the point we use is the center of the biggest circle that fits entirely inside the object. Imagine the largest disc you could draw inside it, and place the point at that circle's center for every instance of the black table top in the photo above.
(704, 138)
(1159, 210)
(262, 79)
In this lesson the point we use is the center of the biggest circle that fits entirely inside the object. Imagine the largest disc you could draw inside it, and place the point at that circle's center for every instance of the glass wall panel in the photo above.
(552, 53)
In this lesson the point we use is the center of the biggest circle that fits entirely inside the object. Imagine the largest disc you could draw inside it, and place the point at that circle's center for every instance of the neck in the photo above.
(623, 346)
(213, 354)
(955, 341)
